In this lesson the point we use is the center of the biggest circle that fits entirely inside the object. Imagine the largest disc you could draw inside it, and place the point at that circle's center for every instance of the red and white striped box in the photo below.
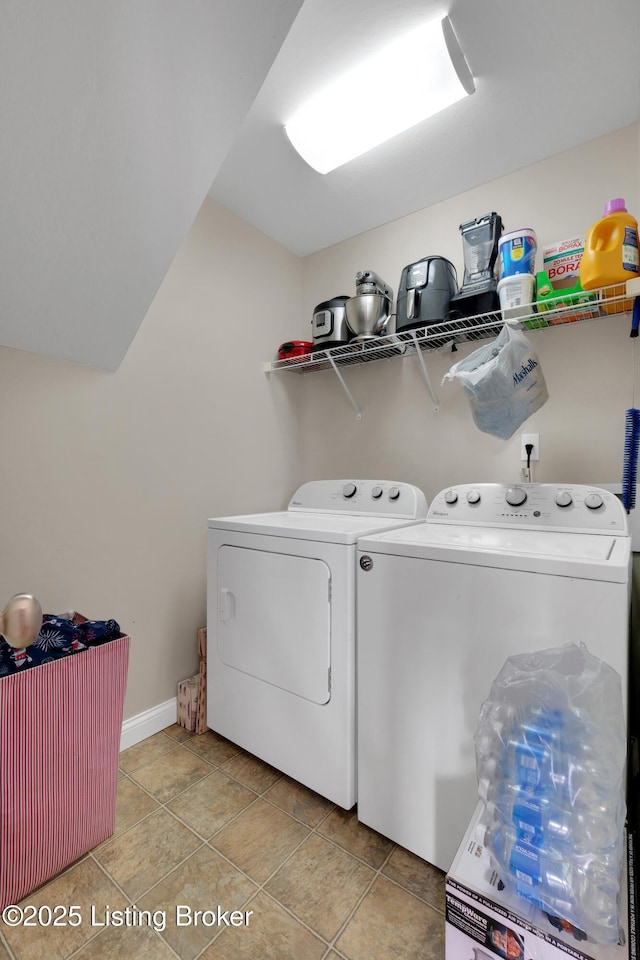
(60, 726)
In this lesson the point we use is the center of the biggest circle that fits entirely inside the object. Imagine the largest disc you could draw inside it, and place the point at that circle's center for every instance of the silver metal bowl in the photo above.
(368, 315)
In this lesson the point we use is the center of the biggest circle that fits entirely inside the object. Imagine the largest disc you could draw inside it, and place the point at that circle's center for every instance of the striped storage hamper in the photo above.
(60, 727)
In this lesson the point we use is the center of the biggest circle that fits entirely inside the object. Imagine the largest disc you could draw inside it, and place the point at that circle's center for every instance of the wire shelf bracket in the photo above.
(423, 364)
(345, 388)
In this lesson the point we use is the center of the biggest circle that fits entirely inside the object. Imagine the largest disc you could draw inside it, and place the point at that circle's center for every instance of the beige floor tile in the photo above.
(203, 882)
(260, 839)
(126, 943)
(271, 934)
(252, 772)
(211, 803)
(172, 773)
(145, 752)
(258, 819)
(212, 747)
(145, 853)
(419, 877)
(82, 885)
(321, 884)
(391, 924)
(343, 828)
(178, 733)
(301, 803)
(132, 805)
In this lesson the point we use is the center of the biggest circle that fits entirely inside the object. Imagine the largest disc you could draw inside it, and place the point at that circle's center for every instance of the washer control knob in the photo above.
(376, 493)
(564, 498)
(473, 496)
(349, 490)
(394, 493)
(593, 501)
(451, 497)
(515, 496)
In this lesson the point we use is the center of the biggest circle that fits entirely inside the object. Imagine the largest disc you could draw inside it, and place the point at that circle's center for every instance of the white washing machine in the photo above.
(281, 626)
(495, 571)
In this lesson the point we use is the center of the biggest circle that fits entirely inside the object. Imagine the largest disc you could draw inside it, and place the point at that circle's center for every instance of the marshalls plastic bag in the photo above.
(550, 757)
(503, 382)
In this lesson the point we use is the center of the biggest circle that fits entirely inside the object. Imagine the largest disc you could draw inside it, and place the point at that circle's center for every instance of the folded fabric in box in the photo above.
(58, 637)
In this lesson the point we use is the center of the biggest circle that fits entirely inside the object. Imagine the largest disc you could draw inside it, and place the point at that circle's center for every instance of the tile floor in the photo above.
(201, 823)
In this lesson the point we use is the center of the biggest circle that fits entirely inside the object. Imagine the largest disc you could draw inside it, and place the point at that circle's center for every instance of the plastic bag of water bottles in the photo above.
(550, 757)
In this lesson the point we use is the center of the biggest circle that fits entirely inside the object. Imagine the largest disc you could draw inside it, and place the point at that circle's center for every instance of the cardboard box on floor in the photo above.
(476, 909)
(188, 703)
(201, 712)
(192, 693)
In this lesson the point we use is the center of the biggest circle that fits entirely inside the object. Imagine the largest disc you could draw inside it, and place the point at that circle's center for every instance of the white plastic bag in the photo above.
(503, 382)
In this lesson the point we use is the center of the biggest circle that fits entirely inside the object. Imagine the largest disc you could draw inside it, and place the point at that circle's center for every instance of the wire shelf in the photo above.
(554, 312)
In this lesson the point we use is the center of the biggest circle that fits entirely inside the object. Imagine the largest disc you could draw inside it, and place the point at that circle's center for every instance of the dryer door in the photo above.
(274, 619)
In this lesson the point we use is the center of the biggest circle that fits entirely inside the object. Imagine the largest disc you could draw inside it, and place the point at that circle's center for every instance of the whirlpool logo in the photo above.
(524, 371)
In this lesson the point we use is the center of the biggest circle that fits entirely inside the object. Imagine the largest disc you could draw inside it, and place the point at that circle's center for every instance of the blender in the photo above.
(479, 291)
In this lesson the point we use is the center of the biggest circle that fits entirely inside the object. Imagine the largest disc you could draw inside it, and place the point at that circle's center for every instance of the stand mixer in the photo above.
(369, 312)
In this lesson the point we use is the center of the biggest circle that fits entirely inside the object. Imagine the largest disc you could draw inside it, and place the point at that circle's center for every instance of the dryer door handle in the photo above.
(227, 605)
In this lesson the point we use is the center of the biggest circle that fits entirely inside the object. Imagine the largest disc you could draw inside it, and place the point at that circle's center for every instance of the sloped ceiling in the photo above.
(549, 74)
(118, 115)
(115, 119)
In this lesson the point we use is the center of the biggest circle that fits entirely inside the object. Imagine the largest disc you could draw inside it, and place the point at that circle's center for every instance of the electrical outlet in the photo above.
(533, 438)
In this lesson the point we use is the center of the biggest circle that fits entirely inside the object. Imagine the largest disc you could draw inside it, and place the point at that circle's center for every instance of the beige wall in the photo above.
(588, 366)
(107, 479)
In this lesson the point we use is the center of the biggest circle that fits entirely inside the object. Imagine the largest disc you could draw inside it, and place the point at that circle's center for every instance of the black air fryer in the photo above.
(425, 292)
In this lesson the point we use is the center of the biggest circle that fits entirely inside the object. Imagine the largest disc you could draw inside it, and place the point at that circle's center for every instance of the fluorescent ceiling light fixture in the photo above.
(407, 81)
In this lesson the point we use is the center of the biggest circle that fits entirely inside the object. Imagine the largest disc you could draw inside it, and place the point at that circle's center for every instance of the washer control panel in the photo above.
(573, 507)
(377, 498)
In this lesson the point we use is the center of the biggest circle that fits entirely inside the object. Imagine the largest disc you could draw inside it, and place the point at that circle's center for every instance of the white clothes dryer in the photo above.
(495, 571)
(281, 626)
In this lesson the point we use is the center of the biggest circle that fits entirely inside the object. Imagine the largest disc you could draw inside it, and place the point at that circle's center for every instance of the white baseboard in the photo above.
(146, 724)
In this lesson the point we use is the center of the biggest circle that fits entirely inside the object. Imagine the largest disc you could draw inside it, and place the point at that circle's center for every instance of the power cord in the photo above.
(529, 450)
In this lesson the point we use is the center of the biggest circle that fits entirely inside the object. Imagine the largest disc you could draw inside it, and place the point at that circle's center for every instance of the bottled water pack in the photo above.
(550, 757)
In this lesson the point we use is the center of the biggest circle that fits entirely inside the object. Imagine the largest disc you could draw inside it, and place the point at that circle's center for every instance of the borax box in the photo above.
(561, 261)
(485, 923)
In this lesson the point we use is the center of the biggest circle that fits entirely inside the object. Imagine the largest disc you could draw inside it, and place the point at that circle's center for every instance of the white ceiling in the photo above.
(550, 74)
(117, 117)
